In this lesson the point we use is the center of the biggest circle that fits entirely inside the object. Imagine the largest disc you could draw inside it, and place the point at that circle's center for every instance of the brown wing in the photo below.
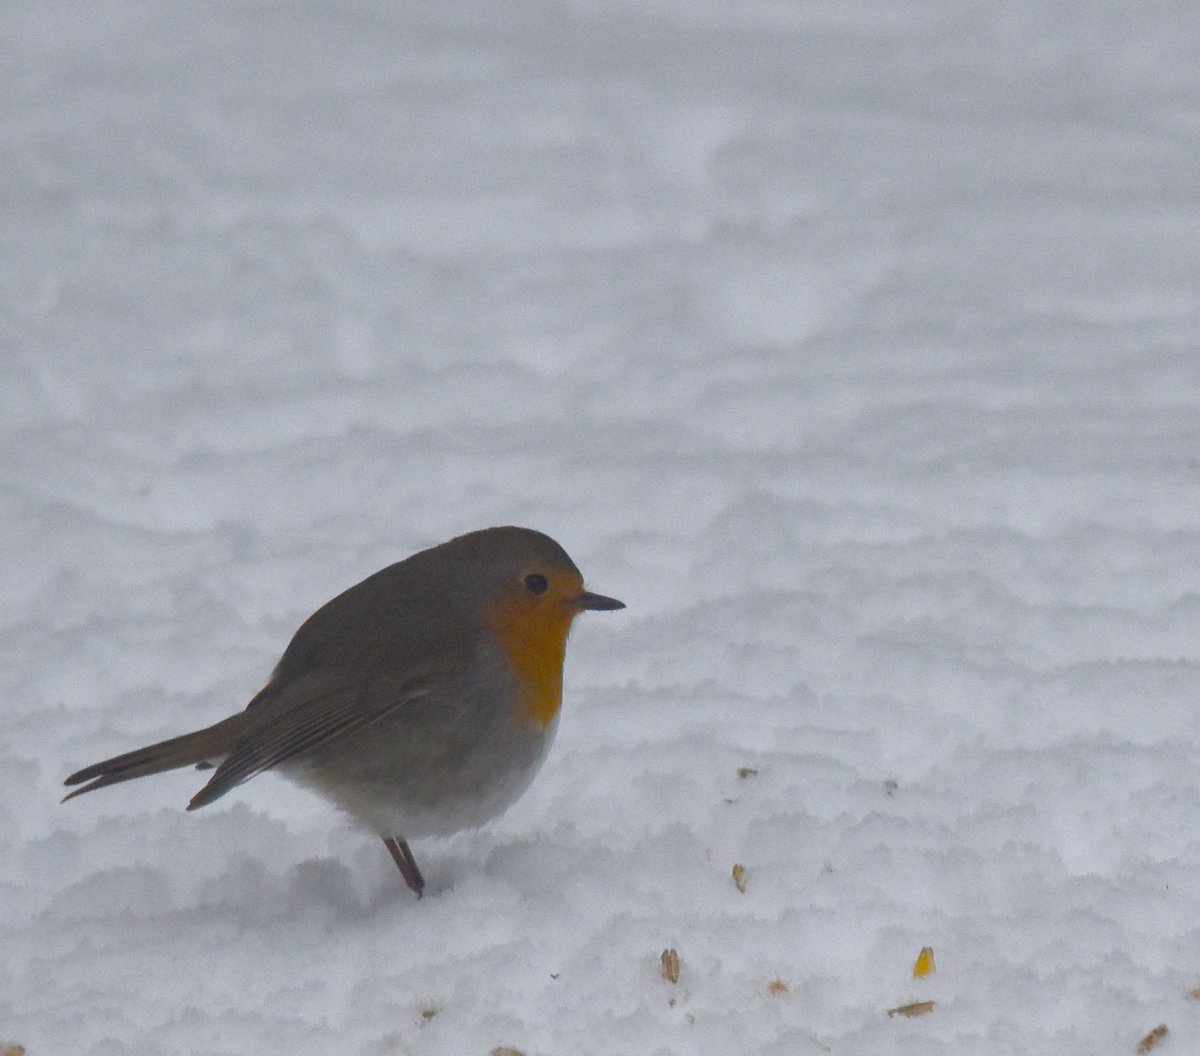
(303, 714)
(391, 623)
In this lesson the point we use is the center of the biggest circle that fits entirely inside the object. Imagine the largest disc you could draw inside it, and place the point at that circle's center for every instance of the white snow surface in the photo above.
(854, 345)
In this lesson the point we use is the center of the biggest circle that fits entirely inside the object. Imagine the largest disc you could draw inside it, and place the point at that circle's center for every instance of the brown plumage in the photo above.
(421, 701)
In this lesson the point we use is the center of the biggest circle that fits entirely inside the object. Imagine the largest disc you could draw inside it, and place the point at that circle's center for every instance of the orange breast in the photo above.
(533, 640)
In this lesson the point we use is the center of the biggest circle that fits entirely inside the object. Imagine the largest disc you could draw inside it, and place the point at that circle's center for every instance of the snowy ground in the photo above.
(854, 345)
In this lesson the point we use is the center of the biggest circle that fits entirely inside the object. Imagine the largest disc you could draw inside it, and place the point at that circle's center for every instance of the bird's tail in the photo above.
(213, 742)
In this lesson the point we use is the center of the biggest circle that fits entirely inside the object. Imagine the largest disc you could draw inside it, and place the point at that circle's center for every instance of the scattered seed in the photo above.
(739, 877)
(669, 965)
(504, 1050)
(1152, 1039)
(428, 1013)
(777, 987)
(917, 1008)
(925, 964)
(746, 771)
(12, 1050)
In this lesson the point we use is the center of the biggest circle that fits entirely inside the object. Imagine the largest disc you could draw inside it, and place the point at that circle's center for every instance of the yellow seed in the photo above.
(739, 877)
(777, 987)
(924, 965)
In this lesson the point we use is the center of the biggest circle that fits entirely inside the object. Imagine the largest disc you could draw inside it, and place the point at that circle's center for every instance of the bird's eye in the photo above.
(536, 584)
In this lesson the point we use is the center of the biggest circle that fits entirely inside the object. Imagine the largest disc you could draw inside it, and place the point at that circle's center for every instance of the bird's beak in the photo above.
(597, 602)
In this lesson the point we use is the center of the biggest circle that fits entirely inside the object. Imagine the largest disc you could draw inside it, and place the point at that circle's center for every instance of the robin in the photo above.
(420, 701)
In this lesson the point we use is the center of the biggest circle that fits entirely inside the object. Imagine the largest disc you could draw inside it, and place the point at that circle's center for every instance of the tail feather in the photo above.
(191, 748)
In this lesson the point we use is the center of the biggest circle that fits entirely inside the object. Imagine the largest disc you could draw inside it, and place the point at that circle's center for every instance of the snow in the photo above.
(853, 345)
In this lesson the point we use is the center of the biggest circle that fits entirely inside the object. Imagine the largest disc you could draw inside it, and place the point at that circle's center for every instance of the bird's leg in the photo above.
(406, 863)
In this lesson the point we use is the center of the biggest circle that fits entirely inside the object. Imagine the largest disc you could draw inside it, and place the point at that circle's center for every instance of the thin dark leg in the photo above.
(406, 863)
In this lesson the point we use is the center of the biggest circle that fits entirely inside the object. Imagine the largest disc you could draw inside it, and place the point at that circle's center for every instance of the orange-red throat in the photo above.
(532, 632)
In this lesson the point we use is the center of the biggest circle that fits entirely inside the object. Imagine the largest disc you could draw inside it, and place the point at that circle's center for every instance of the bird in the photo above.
(421, 701)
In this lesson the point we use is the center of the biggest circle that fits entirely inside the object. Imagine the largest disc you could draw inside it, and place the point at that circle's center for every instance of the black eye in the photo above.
(536, 583)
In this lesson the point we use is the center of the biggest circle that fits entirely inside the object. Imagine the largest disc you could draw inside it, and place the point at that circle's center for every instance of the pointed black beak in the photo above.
(598, 602)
